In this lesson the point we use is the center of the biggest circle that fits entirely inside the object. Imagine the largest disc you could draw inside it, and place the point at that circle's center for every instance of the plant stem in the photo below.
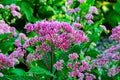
(51, 62)
(46, 61)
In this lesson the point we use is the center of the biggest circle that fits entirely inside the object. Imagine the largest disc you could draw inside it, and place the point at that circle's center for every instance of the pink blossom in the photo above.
(7, 7)
(23, 36)
(115, 34)
(1, 75)
(30, 58)
(85, 64)
(75, 66)
(58, 65)
(73, 56)
(69, 3)
(18, 43)
(81, 1)
(15, 13)
(89, 21)
(14, 7)
(81, 68)
(7, 61)
(1, 6)
(73, 74)
(37, 56)
(18, 53)
(77, 25)
(89, 16)
(69, 65)
(93, 9)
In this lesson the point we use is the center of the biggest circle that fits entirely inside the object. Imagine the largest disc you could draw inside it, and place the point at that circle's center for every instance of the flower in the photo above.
(15, 10)
(30, 58)
(89, 16)
(115, 34)
(73, 56)
(1, 75)
(7, 61)
(1, 6)
(69, 65)
(58, 65)
(93, 9)
(77, 25)
(81, 1)
(59, 34)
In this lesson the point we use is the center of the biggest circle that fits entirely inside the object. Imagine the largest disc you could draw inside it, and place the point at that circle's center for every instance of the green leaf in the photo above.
(19, 72)
(46, 11)
(75, 48)
(92, 53)
(82, 56)
(112, 17)
(4, 36)
(7, 45)
(28, 12)
(116, 7)
(30, 49)
(39, 70)
(90, 2)
(20, 77)
(8, 2)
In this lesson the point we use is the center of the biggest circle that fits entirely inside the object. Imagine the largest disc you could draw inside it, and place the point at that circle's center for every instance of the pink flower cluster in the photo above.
(59, 34)
(14, 10)
(18, 53)
(115, 34)
(113, 71)
(59, 65)
(74, 10)
(89, 16)
(93, 9)
(73, 56)
(5, 28)
(78, 70)
(81, 1)
(6, 62)
(33, 57)
(108, 60)
(1, 75)
(69, 2)
(21, 37)
(1, 6)
(77, 25)
(43, 47)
